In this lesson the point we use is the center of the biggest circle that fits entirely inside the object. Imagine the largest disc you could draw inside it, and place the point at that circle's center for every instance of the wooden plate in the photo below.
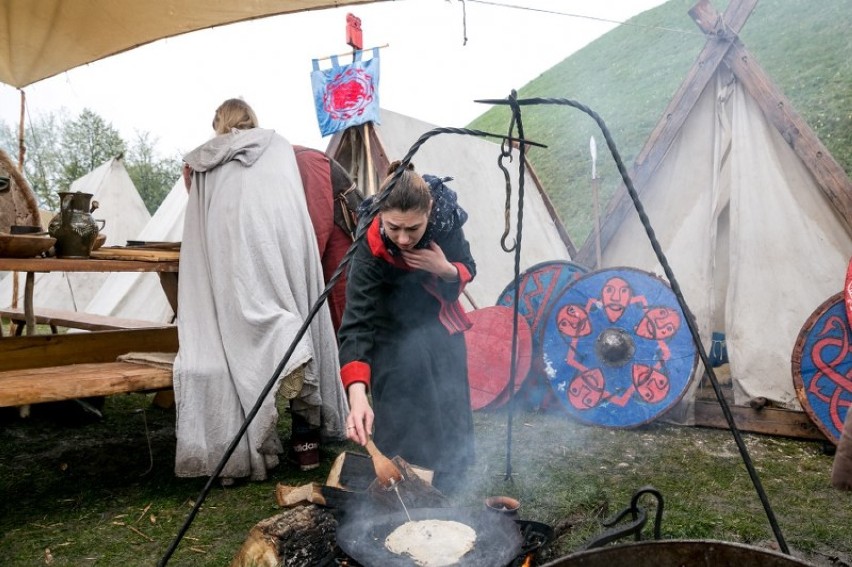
(24, 245)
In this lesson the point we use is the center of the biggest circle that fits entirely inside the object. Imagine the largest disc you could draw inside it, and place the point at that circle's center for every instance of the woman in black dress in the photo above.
(402, 338)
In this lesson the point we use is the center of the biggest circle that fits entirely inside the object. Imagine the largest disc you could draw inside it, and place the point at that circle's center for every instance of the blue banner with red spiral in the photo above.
(346, 95)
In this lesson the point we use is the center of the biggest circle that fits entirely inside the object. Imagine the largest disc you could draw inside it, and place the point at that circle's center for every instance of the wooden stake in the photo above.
(21, 147)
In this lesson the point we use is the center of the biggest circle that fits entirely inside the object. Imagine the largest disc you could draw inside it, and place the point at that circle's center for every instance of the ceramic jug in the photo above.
(73, 227)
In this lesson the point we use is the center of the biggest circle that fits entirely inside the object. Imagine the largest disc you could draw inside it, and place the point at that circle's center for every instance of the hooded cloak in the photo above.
(249, 275)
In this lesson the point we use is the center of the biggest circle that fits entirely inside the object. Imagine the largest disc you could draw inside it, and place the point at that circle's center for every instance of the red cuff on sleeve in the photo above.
(464, 273)
(355, 371)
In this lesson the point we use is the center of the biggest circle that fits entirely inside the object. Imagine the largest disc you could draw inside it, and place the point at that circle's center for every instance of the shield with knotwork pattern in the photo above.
(822, 366)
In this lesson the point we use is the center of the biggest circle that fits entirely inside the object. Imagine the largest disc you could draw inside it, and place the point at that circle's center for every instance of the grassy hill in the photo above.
(629, 75)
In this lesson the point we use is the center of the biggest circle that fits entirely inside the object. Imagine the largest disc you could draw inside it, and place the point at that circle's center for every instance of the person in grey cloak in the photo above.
(249, 275)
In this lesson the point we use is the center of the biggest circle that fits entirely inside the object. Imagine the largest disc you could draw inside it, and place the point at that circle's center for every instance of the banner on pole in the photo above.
(346, 95)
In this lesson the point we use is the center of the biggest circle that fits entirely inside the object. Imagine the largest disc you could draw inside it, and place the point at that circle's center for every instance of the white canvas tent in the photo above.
(481, 187)
(748, 206)
(125, 214)
(472, 163)
(139, 295)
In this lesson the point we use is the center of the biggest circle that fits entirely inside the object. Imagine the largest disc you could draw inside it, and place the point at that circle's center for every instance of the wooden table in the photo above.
(166, 269)
(43, 368)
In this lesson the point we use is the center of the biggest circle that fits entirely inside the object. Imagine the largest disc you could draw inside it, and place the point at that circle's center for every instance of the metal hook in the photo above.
(507, 209)
(506, 152)
(638, 520)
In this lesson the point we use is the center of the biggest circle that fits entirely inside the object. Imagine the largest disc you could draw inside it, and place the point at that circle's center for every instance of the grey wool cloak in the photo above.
(249, 274)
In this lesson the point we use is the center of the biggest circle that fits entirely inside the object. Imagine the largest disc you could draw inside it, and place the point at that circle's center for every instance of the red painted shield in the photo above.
(847, 293)
(489, 348)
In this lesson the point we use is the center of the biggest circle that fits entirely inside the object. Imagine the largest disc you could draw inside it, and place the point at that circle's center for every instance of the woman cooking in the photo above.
(401, 338)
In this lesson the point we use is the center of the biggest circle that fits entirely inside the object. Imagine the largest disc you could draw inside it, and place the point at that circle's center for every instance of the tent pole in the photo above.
(21, 150)
(596, 183)
(21, 146)
(365, 137)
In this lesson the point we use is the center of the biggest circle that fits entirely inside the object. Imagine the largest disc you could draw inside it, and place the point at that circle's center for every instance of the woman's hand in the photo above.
(359, 424)
(431, 260)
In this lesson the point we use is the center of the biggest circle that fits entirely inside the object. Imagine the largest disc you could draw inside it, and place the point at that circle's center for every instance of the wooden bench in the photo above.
(48, 368)
(74, 320)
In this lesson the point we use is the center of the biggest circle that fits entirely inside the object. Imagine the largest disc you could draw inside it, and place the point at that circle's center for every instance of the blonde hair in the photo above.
(234, 113)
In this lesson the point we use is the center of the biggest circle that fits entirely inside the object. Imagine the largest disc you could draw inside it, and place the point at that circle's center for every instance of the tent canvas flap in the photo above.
(788, 253)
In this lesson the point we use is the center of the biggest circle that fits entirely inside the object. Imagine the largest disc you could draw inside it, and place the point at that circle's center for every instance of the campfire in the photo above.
(353, 520)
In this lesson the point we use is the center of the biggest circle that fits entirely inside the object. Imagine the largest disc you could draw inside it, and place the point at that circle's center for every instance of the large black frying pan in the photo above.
(362, 537)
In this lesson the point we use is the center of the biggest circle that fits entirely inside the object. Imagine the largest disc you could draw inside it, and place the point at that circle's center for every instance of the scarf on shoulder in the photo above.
(445, 217)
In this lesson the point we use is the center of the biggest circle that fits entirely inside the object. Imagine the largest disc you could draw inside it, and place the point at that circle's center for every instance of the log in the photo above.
(303, 536)
(75, 381)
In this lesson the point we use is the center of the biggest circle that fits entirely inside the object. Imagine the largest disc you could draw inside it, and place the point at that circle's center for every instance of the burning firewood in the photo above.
(305, 533)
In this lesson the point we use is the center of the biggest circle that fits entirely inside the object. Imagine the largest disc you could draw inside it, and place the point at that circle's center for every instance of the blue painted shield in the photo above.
(617, 349)
(537, 286)
(822, 367)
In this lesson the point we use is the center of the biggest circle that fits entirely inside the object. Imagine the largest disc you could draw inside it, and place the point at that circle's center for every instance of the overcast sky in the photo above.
(171, 88)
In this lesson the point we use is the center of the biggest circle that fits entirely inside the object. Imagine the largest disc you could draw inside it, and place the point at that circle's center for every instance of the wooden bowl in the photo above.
(24, 245)
(100, 239)
(26, 229)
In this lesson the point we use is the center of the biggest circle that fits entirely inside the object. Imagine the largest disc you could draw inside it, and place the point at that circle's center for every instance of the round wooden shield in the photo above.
(617, 350)
(822, 366)
(847, 293)
(489, 349)
(537, 286)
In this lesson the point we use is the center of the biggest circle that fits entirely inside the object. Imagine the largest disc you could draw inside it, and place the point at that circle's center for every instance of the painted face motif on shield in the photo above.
(616, 295)
(651, 384)
(573, 321)
(659, 323)
(586, 389)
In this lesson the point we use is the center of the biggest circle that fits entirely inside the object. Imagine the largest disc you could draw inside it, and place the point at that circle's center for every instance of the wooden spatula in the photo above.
(386, 472)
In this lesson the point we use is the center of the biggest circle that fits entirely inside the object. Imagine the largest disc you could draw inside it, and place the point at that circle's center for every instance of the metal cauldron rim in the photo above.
(609, 555)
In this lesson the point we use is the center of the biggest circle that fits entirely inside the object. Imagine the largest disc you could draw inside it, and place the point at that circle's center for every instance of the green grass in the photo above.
(90, 494)
(630, 74)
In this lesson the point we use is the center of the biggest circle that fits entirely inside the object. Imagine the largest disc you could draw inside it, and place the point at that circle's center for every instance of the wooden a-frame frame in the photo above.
(723, 46)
